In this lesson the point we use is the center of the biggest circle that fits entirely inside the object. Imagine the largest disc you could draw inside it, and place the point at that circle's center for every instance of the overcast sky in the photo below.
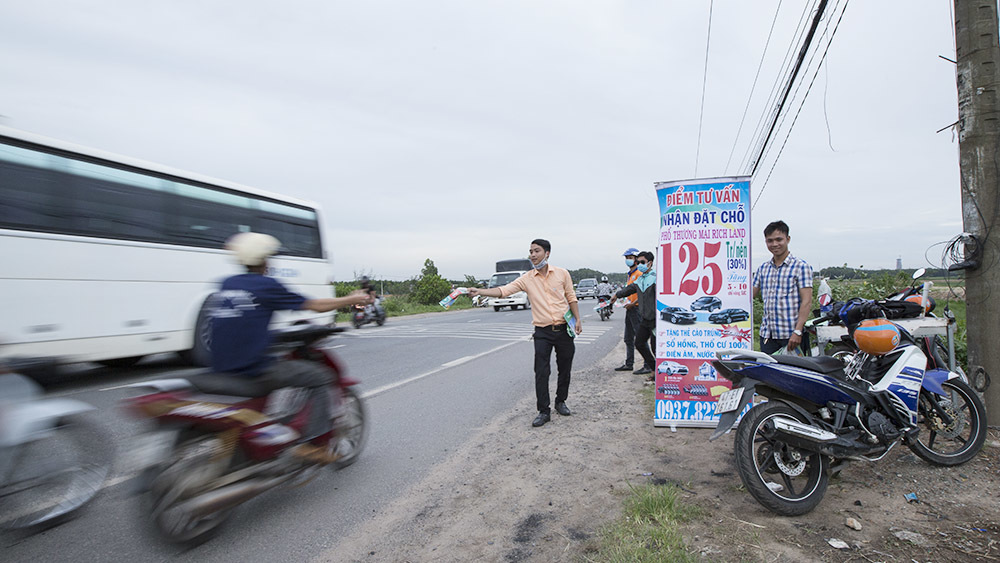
(459, 131)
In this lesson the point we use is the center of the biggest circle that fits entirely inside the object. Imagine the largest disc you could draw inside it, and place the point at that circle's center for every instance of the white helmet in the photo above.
(252, 249)
(604, 278)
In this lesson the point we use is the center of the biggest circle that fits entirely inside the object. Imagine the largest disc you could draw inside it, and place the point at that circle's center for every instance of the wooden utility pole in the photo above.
(978, 128)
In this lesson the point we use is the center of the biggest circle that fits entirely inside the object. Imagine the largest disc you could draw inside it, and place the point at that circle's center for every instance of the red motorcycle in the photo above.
(221, 440)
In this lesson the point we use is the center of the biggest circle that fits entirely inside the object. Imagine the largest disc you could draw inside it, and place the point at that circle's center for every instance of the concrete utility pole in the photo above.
(978, 128)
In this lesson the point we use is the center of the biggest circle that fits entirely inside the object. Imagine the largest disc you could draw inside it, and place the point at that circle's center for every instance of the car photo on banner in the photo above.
(678, 315)
(727, 316)
(687, 380)
(706, 303)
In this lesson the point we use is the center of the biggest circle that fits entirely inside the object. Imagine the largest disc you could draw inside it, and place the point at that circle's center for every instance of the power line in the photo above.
(780, 78)
(704, 82)
(801, 104)
(753, 87)
(791, 80)
(765, 152)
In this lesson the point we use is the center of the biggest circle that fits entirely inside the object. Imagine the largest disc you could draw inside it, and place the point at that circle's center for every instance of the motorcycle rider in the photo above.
(376, 303)
(604, 289)
(241, 313)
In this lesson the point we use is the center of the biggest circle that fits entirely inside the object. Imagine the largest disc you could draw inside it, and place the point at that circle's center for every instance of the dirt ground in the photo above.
(517, 493)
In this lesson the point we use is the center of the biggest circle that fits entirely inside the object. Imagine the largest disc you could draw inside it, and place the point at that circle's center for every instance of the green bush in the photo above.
(431, 287)
(394, 304)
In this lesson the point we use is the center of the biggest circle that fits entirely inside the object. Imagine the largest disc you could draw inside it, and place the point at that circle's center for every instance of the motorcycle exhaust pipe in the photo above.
(229, 496)
(807, 432)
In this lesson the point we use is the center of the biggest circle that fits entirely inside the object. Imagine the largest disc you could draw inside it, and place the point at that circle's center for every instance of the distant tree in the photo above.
(431, 287)
(471, 281)
(584, 273)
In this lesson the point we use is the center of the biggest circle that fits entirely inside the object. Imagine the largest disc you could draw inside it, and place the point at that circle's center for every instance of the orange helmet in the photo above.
(928, 304)
(876, 336)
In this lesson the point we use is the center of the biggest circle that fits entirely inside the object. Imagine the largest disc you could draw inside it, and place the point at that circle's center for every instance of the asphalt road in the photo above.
(429, 383)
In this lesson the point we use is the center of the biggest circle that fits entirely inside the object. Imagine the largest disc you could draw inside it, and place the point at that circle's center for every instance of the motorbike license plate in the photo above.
(729, 401)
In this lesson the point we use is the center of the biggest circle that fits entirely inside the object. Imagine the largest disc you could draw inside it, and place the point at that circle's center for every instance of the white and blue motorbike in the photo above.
(822, 412)
(53, 458)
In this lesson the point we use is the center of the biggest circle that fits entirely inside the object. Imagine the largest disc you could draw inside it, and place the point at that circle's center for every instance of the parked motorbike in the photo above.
(371, 313)
(821, 413)
(603, 307)
(53, 457)
(220, 440)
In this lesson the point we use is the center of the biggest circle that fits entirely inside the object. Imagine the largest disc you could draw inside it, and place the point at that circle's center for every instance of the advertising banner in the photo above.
(704, 296)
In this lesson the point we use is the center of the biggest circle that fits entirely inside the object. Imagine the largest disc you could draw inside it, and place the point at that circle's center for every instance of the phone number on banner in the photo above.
(685, 410)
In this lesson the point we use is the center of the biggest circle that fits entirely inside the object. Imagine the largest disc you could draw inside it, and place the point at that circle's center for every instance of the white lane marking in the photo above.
(454, 363)
(475, 320)
(337, 346)
(389, 387)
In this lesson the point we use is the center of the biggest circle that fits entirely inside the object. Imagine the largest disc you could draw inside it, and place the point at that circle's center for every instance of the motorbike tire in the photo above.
(496, 309)
(761, 460)
(171, 487)
(357, 322)
(350, 429)
(43, 482)
(966, 411)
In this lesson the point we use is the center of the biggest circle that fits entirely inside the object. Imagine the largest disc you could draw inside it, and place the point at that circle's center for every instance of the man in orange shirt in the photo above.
(550, 290)
(631, 313)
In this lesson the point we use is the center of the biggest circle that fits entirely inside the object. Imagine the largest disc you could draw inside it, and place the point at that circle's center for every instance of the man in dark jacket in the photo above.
(645, 288)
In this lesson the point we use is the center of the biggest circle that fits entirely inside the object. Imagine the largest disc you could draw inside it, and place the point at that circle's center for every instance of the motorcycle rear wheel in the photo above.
(180, 481)
(956, 442)
(786, 480)
(350, 429)
(46, 480)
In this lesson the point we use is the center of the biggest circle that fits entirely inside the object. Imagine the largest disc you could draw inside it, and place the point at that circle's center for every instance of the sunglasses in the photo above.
(643, 262)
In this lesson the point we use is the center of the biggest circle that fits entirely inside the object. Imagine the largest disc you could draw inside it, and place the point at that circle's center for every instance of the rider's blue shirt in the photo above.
(241, 312)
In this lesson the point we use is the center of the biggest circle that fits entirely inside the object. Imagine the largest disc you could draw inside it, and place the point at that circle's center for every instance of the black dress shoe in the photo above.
(541, 419)
(625, 367)
(643, 370)
(562, 409)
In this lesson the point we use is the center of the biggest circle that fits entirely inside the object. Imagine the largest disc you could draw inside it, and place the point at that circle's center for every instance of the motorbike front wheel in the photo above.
(350, 429)
(786, 480)
(46, 479)
(952, 426)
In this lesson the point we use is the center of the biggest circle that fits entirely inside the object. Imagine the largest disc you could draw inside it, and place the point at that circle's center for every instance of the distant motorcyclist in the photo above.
(241, 314)
(604, 289)
(376, 302)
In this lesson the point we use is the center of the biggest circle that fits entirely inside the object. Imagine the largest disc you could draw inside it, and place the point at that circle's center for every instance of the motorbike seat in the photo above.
(225, 384)
(822, 364)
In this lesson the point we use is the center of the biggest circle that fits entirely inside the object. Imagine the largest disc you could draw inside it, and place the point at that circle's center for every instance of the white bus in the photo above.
(109, 259)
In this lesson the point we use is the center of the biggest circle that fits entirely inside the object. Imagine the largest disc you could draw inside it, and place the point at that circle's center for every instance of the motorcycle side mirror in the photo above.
(918, 273)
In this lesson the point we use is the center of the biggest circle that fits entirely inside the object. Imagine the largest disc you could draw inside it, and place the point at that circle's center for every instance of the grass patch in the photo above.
(649, 528)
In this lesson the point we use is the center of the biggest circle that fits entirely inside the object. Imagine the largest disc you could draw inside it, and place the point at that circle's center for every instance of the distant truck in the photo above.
(516, 265)
(508, 271)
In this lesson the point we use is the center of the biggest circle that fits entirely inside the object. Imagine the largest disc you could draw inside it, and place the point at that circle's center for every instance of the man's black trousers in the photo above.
(547, 338)
(645, 342)
(631, 324)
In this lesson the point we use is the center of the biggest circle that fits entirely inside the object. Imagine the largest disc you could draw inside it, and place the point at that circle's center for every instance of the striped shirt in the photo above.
(779, 288)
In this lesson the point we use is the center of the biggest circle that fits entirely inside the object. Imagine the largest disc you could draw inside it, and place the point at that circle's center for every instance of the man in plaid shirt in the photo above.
(786, 285)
